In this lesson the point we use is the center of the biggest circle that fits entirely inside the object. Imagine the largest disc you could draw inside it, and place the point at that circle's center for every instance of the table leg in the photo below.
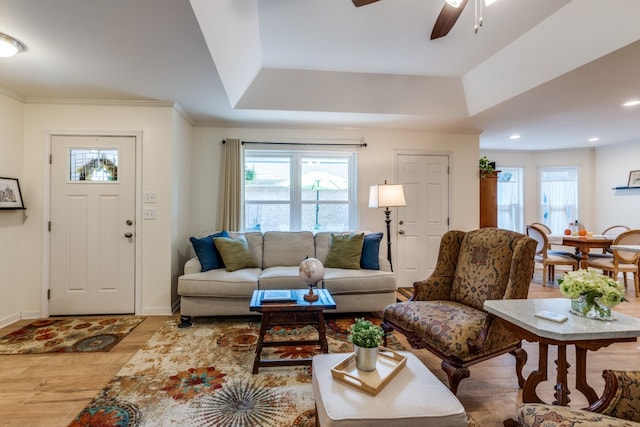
(581, 375)
(264, 326)
(322, 336)
(562, 389)
(529, 394)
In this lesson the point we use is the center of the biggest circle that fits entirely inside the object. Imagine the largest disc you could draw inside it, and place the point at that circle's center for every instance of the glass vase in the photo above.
(591, 307)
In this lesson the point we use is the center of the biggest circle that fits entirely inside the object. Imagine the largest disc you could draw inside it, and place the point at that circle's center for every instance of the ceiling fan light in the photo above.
(9, 46)
(489, 2)
(454, 3)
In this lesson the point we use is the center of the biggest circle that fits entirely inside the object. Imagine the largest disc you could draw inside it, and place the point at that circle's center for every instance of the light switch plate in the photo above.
(149, 197)
(149, 213)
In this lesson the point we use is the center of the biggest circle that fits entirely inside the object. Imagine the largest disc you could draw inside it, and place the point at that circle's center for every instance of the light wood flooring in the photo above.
(50, 390)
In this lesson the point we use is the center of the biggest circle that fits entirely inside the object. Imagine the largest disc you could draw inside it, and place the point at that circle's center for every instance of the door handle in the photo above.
(128, 234)
(400, 231)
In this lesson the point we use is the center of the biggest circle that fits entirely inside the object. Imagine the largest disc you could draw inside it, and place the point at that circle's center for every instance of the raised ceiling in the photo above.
(553, 71)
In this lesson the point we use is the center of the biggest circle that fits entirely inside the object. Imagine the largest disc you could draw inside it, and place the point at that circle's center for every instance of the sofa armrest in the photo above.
(192, 266)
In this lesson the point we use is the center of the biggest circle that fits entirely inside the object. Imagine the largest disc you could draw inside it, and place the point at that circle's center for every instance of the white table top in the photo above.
(630, 248)
(521, 312)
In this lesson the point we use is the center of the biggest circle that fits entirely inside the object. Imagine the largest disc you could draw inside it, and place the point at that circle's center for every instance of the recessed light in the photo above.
(631, 103)
(594, 139)
(514, 136)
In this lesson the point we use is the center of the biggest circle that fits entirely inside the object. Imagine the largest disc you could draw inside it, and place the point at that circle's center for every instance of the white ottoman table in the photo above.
(414, 397)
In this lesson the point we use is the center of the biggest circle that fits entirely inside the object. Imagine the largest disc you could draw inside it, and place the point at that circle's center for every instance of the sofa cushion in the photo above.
(207, 252)
(287, 248)
(220, 283)
(281, 277)
(345, 251)
(341, 281)
(371, 251)
(235, 252)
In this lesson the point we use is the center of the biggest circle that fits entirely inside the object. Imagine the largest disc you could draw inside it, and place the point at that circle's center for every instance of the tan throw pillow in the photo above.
(345, 251)
(235, 252)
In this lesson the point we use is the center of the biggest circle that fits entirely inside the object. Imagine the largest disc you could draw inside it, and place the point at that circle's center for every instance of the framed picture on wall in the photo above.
(634, 179)
(10, 196)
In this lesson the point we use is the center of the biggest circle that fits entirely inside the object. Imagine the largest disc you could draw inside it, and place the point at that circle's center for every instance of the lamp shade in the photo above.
(386, 195)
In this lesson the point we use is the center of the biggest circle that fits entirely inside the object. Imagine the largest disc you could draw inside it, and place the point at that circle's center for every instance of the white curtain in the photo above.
(233, 174)
(559, 204)
(510, 200)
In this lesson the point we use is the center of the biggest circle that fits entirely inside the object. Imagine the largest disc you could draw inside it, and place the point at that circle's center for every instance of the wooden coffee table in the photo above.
(291, 313)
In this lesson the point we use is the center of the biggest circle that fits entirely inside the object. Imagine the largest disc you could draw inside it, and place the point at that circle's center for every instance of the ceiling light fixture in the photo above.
(594, 139)
(514, 136)
(478, 10)
(631, 103)
(10, 46)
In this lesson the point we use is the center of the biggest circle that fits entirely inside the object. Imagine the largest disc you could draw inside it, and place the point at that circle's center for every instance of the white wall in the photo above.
(12, 260)
(376, 163)
(613, 164)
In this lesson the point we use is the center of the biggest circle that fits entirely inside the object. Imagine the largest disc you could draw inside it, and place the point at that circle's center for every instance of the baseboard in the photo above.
(155, 311)
(8, 320)
(30, 315)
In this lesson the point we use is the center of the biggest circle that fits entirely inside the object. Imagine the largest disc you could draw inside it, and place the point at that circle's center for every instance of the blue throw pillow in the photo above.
(370, 251)
(206, 251)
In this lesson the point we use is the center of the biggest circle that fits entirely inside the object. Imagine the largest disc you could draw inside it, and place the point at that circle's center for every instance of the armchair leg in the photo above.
(455, 375)
(387, 330)
(521, 359)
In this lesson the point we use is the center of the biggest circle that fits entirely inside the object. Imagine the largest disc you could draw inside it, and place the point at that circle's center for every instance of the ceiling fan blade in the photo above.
(359, 3)
(446, 20)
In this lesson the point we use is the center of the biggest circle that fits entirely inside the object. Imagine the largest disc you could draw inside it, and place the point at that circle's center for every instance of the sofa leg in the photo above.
(521, 359)
(185, 322)
(455, 375)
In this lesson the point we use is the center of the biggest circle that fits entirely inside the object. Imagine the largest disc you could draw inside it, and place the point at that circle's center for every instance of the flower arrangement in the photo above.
(596, 289)
(365, 334)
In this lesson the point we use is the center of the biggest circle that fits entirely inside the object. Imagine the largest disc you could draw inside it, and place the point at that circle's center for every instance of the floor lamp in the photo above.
(386, 196)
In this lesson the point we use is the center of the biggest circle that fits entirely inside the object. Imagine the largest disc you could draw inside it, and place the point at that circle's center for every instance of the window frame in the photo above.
(295, 200)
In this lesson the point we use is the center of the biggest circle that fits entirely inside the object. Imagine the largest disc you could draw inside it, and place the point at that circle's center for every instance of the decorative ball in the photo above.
(311, 271)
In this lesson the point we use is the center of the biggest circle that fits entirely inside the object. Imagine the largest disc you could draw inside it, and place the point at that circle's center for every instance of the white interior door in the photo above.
(425, 218)
(92, 231)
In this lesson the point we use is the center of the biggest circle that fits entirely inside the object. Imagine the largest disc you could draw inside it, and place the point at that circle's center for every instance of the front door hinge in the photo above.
(50, 159)
(48, 293)
(49, 226)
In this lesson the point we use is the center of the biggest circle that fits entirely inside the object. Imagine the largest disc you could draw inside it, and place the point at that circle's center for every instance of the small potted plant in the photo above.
(592, 293)
(486, 167)
(366, 338)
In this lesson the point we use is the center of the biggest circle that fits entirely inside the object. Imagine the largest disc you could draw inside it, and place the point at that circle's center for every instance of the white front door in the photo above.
(92, 229)
(425, 218)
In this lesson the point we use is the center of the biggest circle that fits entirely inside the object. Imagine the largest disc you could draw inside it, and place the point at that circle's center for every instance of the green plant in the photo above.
(363, 333)
(594, 286)
(486, 167)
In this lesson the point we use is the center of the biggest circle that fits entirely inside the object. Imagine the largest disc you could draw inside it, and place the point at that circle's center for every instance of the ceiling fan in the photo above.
(445, 21)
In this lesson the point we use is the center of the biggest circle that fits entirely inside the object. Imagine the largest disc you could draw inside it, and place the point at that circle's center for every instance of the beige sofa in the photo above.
(219, 292)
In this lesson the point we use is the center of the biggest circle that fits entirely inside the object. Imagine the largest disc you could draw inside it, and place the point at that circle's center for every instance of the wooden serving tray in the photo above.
(388, 365)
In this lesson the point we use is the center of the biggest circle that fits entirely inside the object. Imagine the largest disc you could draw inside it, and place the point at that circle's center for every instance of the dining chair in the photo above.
(548, 258)
(613, 231)
(622, 261)
(544, 228)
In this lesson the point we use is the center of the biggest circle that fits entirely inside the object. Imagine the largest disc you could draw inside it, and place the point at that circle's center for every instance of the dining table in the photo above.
(583, 244)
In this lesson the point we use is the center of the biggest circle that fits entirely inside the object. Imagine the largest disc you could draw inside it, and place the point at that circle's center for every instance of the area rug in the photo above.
(201, 376)
(69, 335)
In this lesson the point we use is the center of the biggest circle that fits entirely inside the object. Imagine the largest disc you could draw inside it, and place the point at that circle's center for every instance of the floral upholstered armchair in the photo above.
(445, 315)
(619, 406)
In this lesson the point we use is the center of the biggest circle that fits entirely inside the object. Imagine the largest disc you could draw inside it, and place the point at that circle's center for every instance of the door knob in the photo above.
(400, 231)
(128, 234)
(401, 222)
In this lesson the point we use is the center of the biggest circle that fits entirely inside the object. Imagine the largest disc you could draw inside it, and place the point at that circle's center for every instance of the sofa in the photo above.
(271, 260)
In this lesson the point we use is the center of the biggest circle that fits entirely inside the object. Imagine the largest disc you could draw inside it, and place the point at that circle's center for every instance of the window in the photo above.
(510, 211)
(299, 190)
(97, 165)
(558, 197)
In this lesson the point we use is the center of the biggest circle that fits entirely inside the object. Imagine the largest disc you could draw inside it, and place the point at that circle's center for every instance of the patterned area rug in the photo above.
(69, 335)
(201, 376)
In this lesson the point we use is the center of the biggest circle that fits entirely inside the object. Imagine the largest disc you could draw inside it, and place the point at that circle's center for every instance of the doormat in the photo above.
(69, 335)
(201, 376)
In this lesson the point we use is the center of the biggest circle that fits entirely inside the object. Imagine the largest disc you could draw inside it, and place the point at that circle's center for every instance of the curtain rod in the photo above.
(363, 144)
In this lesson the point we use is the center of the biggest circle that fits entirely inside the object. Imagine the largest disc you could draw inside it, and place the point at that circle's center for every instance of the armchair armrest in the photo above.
(621, 395)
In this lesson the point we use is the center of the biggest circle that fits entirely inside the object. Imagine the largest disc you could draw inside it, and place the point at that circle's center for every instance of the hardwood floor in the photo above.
(50, 390)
